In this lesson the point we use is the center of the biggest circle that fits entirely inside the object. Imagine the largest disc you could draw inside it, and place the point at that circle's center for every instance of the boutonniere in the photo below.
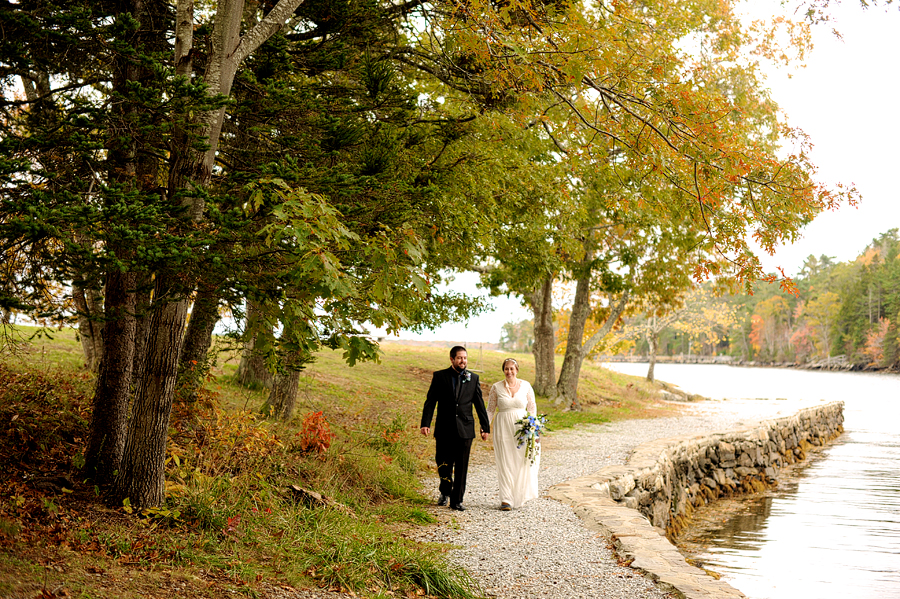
(466, 376)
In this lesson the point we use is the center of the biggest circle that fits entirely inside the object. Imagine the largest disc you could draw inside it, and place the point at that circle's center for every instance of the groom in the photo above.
(454, 391)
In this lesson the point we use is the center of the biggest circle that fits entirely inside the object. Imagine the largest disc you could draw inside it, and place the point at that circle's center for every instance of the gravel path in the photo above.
(542, 549)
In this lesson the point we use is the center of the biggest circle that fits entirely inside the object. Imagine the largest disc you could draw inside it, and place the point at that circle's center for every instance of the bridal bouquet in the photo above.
(528, 434)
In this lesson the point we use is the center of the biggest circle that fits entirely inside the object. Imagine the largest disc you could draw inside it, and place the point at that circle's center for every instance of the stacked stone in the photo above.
(667, 479)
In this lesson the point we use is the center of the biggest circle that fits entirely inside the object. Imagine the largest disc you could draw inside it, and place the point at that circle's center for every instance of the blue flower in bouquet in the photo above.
(528, 434)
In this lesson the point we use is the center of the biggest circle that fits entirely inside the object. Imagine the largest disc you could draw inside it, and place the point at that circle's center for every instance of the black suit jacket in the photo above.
(454, 414)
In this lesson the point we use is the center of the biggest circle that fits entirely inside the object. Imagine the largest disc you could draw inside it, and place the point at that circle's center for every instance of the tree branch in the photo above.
(611, 320)
(402, 9)
(51, 93)
(269, 26)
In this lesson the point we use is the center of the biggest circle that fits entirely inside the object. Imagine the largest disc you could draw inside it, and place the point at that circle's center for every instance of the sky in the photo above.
(847, 99)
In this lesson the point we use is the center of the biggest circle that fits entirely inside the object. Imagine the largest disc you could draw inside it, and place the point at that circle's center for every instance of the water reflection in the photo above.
(832, 528)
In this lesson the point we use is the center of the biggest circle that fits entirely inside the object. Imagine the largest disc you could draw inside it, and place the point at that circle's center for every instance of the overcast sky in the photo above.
(847, 101)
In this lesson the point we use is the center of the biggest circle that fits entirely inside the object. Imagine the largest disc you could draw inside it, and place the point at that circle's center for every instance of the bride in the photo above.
(508, 401)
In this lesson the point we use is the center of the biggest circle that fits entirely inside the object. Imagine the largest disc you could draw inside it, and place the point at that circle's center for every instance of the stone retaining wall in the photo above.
(667, 479)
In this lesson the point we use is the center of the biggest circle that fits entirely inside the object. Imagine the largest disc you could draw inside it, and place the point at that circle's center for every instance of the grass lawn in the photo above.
(233, 521)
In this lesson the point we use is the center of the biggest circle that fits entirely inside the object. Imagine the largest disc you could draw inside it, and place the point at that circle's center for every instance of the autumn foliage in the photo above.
(315, 435)
(841, 313)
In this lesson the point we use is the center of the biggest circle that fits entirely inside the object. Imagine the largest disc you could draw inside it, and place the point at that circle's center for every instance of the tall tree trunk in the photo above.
(141, 476)
(283, 396)
(143, 297)
(113, 390)
(653, 343)
(129, 169)
(541, 301)
(89, 306)
(194, 363)
(252, 371)
(567, 385)
(576, 348)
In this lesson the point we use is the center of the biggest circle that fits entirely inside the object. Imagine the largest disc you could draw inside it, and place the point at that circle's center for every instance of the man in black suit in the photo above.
(455, 391)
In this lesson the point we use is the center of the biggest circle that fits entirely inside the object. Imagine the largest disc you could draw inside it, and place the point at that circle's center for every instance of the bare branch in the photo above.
(615, 312)
(553, 138)
(406, 7)
(269, 26)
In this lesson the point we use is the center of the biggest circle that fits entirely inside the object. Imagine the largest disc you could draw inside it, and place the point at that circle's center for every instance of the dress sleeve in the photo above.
(492, 402)
(531, 404)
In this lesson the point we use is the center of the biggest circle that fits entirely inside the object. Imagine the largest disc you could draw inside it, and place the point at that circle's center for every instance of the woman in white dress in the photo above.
(510, 400)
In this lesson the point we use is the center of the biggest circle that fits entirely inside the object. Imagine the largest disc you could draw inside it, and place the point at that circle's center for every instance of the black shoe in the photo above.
(444, 499)
(505, 507)
(458, 507)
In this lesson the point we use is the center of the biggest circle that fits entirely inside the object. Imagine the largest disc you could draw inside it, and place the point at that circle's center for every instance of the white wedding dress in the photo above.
(516, 474)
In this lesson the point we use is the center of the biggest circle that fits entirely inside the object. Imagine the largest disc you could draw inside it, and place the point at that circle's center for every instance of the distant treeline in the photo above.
(844, 314)
(845, 310)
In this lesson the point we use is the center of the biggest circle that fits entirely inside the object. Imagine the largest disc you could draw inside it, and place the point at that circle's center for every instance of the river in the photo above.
(832, 528)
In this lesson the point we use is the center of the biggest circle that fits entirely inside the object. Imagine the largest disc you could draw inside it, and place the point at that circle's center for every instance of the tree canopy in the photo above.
(327, 162)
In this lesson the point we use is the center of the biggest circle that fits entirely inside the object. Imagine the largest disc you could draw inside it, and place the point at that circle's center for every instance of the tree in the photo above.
(187, 153)
(655, 320)
(149, 180)
(541, 302)
(517, 336)
(774, 324)
(677, 140)
(875, 343)
(822, 314)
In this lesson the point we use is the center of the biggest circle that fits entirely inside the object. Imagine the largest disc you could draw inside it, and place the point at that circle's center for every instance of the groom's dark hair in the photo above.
(455, 350)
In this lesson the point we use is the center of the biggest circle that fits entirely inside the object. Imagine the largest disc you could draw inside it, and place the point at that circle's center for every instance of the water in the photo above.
(831, 529)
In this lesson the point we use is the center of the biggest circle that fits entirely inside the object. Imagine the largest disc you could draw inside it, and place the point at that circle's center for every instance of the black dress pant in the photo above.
(452, 456)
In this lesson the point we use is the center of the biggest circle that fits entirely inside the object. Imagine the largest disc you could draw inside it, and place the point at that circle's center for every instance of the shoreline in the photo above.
(719, 361)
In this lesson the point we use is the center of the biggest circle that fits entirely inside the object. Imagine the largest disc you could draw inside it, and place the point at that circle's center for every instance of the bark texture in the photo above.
(541, 301)
(252, 371)
(282, 399)
(143, 298)
(89, 304)
(113, 390)
(576, 348)
(653, 345)
(141, 476)
(194, 362)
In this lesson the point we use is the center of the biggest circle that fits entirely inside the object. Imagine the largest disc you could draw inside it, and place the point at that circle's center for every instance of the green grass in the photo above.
(232, 521)
(44, 349)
